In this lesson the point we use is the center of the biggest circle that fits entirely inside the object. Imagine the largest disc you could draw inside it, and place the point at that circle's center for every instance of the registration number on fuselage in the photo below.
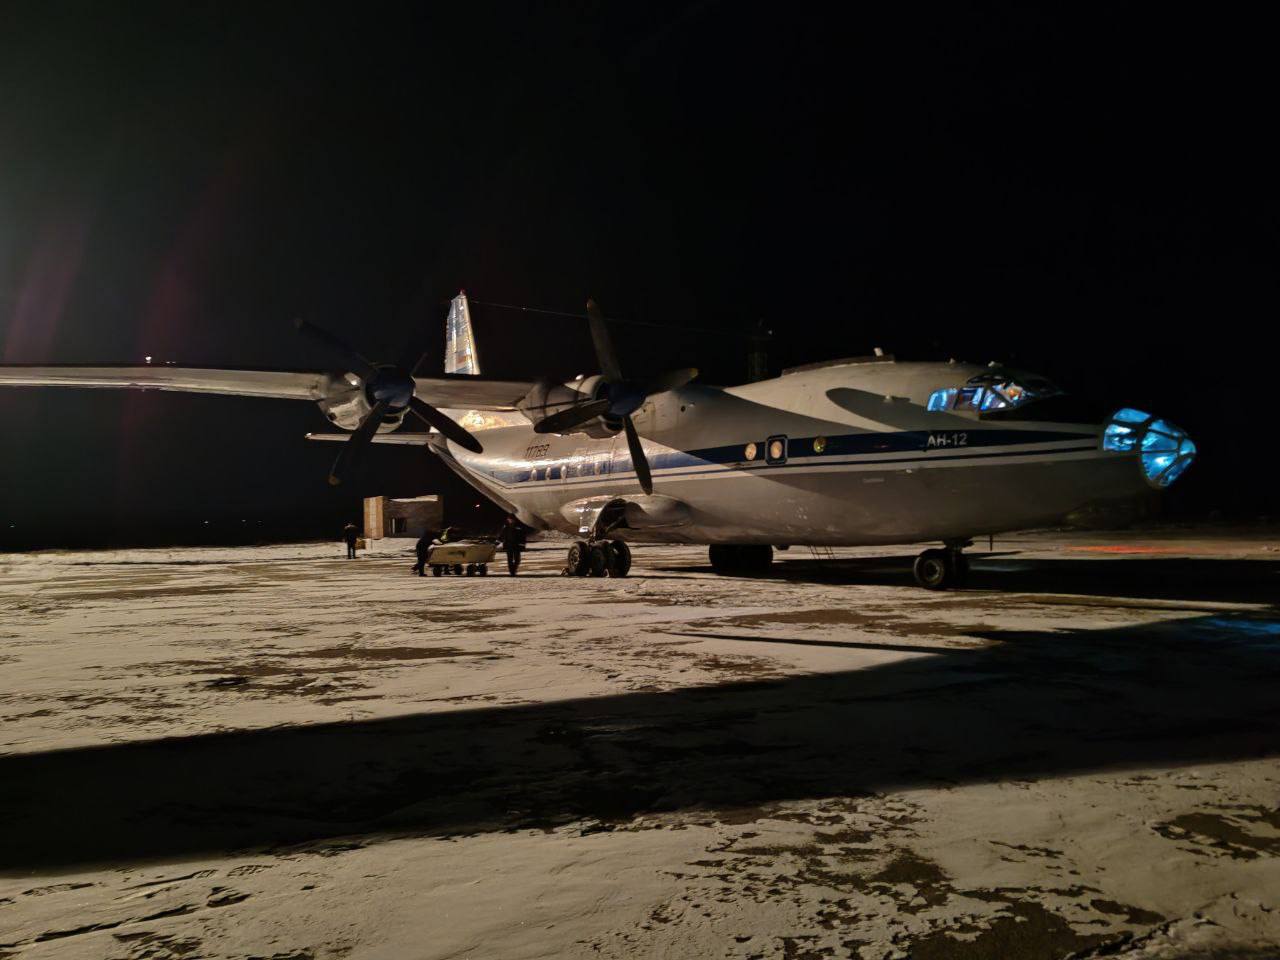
(947, 438)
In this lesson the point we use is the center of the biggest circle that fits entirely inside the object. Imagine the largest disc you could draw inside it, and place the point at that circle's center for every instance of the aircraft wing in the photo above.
(402, 437)
(281, 384)
(467, 392)
(455, 391)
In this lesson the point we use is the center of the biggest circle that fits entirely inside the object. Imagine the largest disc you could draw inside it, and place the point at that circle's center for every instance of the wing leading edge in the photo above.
(403, 438)
(455, 391)
(279, 384)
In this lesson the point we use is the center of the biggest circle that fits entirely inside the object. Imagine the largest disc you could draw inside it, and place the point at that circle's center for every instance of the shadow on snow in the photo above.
(1022, 705)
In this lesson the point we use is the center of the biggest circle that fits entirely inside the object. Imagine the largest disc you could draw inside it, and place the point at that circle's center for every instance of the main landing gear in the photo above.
(941, 569)
(740, 558)
(602, 558)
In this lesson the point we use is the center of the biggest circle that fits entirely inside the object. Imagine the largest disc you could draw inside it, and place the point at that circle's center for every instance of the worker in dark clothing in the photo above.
(350, 534)
(422, 548)
(512, 538)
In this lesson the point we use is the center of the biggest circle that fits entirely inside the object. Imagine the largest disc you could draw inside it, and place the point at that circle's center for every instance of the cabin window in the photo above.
(749, 452)
(819, 444)
(776, 451)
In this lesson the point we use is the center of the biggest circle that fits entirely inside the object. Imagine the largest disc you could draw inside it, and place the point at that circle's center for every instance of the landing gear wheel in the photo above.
(757, 558)
(436, 570)
(619, 555)
(933, 570)
(577, 564)
(457, 569)
(471, 569)
(483, 569)
(597, 561)
(723, 557)
(959, 568)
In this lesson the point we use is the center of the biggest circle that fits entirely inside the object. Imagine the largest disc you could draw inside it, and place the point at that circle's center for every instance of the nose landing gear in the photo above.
(941, 569)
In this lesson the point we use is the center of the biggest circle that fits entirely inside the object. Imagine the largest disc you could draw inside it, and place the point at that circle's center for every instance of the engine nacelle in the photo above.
(345, 403)
(547, 398)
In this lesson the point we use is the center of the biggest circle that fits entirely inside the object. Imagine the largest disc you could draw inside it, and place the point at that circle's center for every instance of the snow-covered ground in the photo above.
(275, 752)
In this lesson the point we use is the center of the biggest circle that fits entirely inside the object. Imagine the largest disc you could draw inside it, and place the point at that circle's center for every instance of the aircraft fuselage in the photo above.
(840, 455)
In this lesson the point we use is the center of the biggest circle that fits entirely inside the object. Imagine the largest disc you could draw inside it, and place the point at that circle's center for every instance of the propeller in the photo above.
(389, 387)
(621, 397)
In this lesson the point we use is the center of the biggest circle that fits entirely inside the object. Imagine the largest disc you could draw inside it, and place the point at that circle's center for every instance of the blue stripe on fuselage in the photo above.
(836, 449)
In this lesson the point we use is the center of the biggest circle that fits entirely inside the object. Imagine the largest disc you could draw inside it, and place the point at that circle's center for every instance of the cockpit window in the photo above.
(1166, 450)
(997, 390)
(942, 399)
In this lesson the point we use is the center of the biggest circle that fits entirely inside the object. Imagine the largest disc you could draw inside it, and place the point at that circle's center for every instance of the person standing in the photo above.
(422, 549)
(512, 538)
(350, 534)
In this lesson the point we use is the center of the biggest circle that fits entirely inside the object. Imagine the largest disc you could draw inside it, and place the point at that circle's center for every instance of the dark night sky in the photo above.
(1091, 196)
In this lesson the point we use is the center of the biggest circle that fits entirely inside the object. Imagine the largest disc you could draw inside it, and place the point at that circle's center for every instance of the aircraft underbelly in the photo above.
(866, 505)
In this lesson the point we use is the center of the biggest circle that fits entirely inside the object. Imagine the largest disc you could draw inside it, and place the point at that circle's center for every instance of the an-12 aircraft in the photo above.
(850, 452)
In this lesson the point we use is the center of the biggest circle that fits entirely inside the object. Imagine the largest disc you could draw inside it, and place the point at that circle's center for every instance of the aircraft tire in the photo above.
(597, 560)
(457, 569)
(619, 555)
(933, 570)
(723, 557)
(959, 564)
(437, 570)
(483, 569)
(577, 564)
(757, 558)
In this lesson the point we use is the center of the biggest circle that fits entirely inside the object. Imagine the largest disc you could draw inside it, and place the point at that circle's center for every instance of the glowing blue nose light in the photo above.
(1166, 450)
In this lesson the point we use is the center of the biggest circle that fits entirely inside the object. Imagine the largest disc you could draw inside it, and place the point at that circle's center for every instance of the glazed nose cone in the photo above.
(1165, 451)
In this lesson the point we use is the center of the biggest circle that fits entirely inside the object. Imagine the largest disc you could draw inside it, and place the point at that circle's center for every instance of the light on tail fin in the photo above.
(460, 355)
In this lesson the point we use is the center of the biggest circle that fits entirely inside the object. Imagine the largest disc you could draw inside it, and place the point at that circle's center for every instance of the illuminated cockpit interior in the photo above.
(997, 389)
(1166, 450)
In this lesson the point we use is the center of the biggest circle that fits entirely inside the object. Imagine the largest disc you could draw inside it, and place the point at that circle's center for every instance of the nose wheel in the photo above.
(942, 569)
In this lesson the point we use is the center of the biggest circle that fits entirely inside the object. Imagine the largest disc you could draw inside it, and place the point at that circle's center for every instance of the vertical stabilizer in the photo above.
(460, 354)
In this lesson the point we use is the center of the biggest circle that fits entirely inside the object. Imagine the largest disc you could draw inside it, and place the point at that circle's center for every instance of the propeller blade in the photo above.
(355, 447)
(605, 354)
(412, 361)
(638, 459)
(333, 342)
(569, 418)
(671, 380)
(446, 425)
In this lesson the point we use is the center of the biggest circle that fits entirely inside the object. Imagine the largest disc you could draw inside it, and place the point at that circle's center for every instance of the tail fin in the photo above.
(460, 354)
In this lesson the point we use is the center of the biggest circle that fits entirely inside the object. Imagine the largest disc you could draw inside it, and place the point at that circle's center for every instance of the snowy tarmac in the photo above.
(275, 752)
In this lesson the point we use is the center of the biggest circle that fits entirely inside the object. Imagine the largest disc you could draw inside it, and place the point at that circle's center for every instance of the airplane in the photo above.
(852, 452)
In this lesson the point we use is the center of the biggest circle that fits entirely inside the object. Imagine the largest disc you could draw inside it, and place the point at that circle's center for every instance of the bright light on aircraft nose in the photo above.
(1166, 450)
